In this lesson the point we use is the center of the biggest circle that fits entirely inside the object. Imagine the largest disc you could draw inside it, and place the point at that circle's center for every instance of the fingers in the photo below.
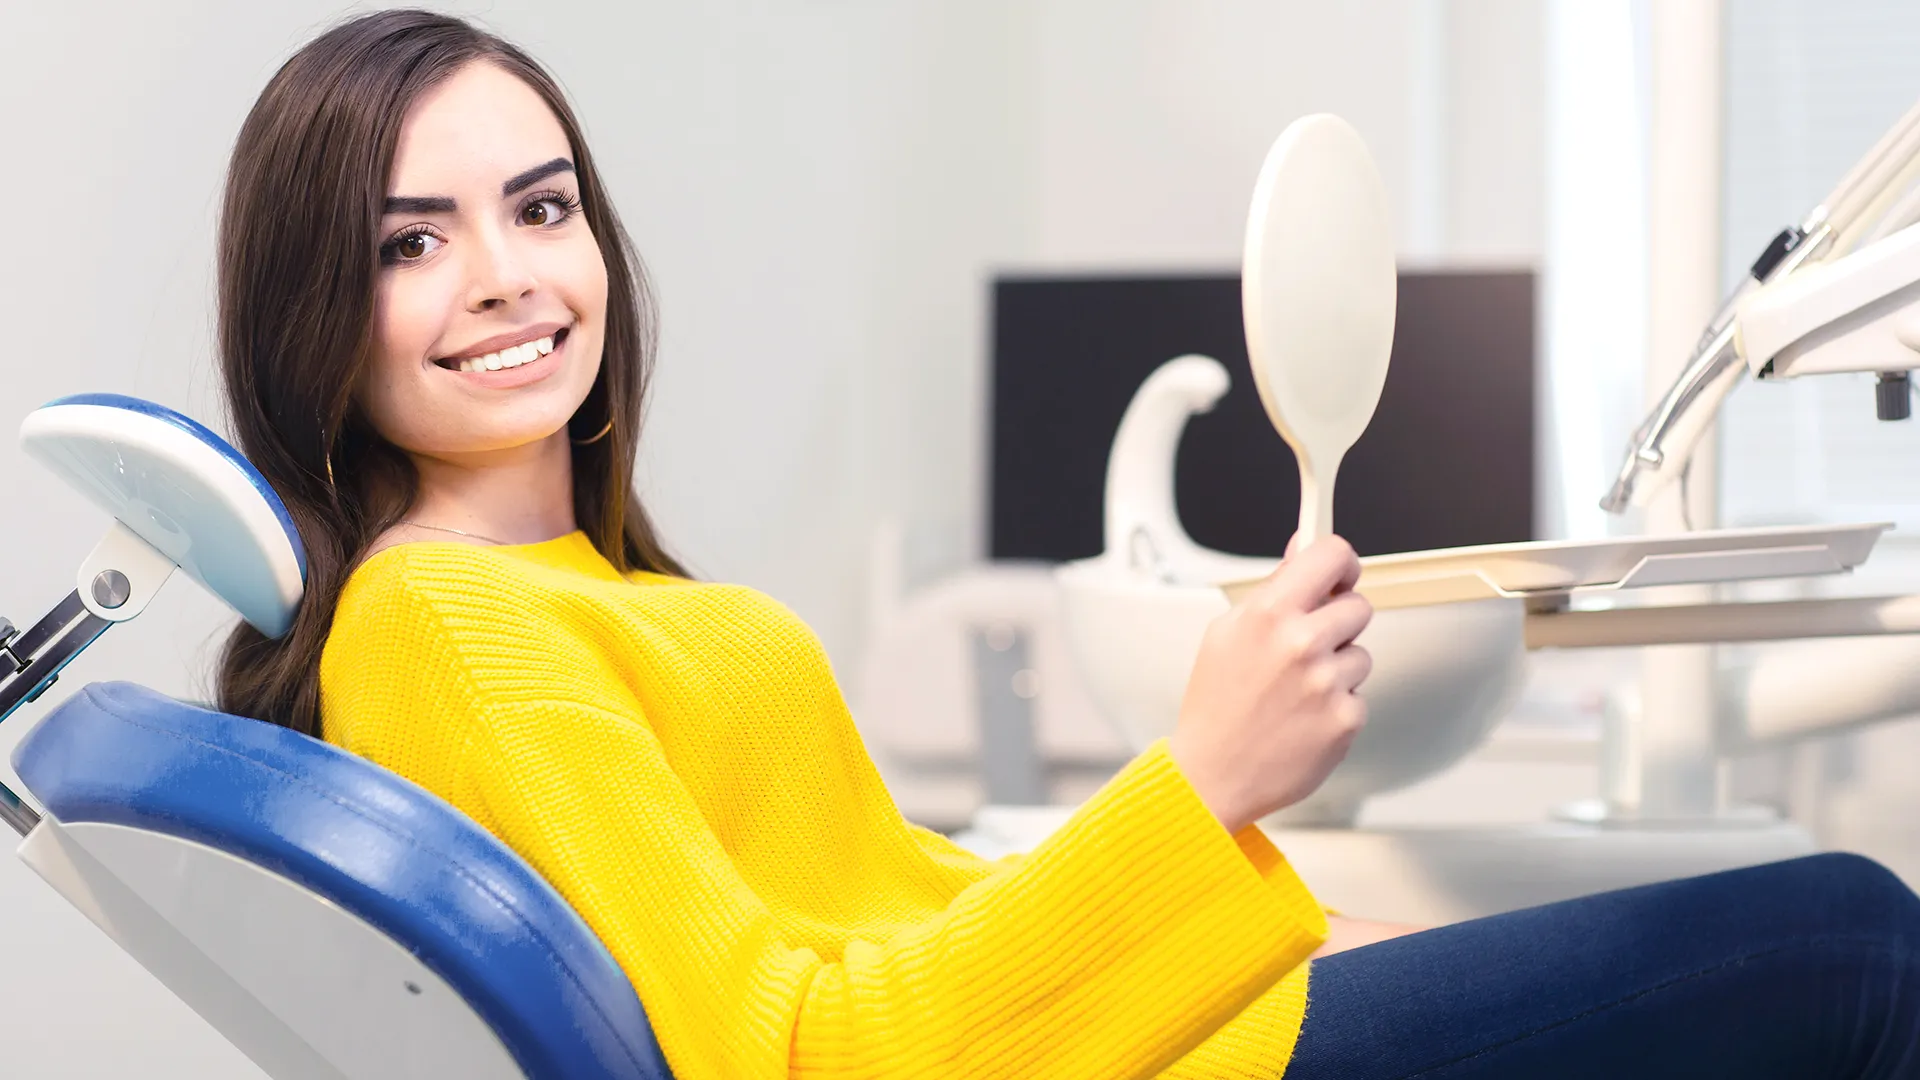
(1352, 664)
(1350, 714)
(1338, 621)
(1350, 575)
(1339, 676)
(1315, 572)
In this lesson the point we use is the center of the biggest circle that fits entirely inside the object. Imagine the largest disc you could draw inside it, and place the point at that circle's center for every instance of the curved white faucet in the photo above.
(1142, 521)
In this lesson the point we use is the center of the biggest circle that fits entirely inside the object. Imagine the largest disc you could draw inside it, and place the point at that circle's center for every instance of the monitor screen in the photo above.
(1447, 461)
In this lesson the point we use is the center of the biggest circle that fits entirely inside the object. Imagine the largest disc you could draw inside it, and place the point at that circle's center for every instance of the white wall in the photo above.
(823, 192)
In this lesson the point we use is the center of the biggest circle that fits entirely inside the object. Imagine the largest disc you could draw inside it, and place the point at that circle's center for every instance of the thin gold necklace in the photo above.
(456, 532)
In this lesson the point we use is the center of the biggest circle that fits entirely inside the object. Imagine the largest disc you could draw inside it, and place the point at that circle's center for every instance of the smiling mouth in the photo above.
(510, 357)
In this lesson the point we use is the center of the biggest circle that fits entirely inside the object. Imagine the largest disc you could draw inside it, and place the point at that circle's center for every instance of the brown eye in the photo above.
(535, 214)
(409, 247)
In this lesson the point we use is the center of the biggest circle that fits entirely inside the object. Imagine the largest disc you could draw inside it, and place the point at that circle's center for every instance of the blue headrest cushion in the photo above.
(378, 845)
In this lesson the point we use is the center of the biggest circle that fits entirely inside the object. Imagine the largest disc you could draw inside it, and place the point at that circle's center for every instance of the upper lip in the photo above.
(506, 341)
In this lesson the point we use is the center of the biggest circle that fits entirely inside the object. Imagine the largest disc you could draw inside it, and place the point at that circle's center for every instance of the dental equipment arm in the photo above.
(115, 583)
(1835, 286)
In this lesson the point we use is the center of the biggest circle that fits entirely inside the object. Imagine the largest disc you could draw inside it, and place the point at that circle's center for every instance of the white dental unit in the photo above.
(1838, 293)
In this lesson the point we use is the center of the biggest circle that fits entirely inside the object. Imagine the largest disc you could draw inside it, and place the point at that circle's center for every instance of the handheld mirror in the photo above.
(1318, 293)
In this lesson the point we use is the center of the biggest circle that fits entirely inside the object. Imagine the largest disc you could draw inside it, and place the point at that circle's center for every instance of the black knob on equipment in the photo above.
(1892, 396)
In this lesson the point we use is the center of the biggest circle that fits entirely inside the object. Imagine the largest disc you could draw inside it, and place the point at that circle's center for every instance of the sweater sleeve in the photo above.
(1267, 861)
(945, 852)
(1111, 950)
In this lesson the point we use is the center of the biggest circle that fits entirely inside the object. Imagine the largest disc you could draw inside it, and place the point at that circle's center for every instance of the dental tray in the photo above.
(1554, 569)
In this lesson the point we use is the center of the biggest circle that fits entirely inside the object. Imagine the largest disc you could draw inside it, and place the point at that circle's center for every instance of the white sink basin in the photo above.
(1442, 675)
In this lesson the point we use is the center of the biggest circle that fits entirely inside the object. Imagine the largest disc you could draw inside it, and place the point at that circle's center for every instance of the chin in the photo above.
(518, 438)
(474, 436)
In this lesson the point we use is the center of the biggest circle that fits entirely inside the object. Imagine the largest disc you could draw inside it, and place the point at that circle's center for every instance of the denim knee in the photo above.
(1857, 873)
(1861, 884)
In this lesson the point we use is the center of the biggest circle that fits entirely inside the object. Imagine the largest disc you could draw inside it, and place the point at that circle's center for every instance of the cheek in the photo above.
(406, 320)
(582, 277)
(598, 276)
(579, 277)
(407, 314)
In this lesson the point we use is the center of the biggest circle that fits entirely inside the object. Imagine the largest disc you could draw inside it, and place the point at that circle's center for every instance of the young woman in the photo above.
(436, 342)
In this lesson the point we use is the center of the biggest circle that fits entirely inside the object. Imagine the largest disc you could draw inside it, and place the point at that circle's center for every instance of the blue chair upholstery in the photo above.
(379, 846)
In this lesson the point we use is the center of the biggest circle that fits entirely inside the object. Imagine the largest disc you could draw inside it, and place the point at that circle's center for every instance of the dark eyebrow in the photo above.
(534, 175)
(418, 204)
(440, 204)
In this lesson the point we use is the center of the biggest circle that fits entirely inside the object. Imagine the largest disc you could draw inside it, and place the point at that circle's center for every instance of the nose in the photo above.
(498, 276)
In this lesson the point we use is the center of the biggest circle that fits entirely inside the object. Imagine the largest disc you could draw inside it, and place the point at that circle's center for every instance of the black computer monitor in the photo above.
(1447, 461)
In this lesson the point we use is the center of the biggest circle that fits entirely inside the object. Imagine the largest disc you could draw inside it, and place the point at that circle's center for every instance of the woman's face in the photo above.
(492, 298)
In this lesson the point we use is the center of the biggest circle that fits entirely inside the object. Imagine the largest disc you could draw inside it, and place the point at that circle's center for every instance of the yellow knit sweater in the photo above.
(675, 757)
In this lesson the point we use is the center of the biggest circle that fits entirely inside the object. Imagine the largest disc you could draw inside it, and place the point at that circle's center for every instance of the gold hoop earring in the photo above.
(596, 438)
(326, 457)
(326, 453)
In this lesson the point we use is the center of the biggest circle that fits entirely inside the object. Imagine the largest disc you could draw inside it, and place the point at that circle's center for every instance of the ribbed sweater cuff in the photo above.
(1227, 916)
(1276, 871)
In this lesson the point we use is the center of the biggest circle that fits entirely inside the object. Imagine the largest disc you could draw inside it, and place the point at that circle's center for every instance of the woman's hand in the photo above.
(1270, 708)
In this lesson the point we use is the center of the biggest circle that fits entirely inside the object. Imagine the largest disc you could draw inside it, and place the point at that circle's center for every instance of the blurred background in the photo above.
(841, 203)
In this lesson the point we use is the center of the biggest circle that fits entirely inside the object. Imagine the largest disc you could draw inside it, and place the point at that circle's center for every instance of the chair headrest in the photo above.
(181, 488)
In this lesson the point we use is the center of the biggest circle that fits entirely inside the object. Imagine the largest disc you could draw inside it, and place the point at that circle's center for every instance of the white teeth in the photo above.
(512, 357)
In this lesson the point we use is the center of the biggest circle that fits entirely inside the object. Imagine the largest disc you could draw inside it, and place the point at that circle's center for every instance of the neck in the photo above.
(518, 496)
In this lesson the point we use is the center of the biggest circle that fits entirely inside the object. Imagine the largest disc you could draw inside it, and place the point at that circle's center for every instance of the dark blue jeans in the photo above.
(1808, 969)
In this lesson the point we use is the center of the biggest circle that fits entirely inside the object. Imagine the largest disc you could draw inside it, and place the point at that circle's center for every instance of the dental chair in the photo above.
(329, 918)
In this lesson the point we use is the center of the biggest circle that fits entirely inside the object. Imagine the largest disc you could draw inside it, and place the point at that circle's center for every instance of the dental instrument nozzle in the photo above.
(1826, 296)
(1663, 443)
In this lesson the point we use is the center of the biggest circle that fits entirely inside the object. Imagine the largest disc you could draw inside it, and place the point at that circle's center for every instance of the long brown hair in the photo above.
(298, 261)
